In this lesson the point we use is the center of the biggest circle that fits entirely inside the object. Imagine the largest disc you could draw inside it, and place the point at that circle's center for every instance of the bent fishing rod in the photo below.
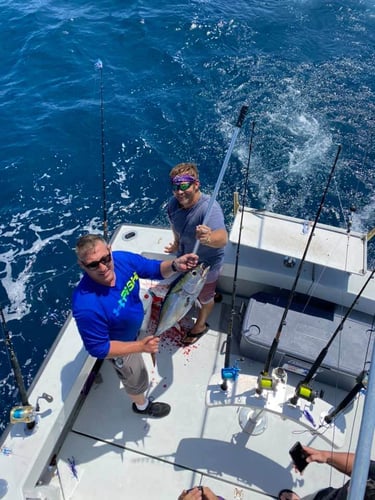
(303, 390)
(237, 129)
(264, 380)
(227, 372)
(99, 66)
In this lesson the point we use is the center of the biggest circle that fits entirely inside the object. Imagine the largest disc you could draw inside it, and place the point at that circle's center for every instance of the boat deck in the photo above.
(118, 451)
(220, 439)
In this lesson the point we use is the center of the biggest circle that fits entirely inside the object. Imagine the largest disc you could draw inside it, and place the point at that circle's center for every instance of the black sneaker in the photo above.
(155, 410)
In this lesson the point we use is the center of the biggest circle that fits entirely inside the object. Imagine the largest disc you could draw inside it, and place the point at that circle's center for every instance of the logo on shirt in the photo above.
(128, 288)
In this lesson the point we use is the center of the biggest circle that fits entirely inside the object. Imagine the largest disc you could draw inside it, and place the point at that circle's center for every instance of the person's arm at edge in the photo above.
(341, 461)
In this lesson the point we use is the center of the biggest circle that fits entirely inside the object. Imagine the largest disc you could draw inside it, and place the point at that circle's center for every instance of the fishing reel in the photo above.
(27, 413)
(230, 373)
(265, 381)
(304, 391)
(270, 382)
(362, 379)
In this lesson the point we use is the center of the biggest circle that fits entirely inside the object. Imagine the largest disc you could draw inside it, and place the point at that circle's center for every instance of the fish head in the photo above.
(194, 279)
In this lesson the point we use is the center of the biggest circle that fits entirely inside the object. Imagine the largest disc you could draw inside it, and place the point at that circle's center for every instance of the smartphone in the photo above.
(298, 456)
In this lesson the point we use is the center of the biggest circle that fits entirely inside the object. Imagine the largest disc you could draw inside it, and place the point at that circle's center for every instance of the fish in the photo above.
(181, 296)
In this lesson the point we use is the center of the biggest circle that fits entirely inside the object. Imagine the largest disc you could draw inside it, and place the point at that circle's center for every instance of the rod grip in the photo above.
(241, 116)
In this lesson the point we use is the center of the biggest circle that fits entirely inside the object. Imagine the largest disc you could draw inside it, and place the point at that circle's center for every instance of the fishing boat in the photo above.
(232, 423)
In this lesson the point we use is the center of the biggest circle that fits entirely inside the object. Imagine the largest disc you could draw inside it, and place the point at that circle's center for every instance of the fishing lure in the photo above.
(73, 467)
(309, 417)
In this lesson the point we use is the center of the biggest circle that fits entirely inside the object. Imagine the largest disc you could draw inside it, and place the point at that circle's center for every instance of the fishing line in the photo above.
(224, 384)
(237, 129)
(264, 380)
(99, 66)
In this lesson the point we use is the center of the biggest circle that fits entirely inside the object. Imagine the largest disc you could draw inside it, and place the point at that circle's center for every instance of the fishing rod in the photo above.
(26, 407)
(237, 129)
(361, 383)
(231, 372)
(303, 390)
(264, 380)
(99, 66)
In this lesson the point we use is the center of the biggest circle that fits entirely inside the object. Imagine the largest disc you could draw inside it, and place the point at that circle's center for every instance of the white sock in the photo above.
(144, 406)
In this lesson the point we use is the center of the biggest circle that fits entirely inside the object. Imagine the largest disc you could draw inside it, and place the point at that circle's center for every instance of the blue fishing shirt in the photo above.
(184, 222)
(105, 313)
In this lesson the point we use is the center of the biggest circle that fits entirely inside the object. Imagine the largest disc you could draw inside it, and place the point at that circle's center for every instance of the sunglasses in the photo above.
(184, 186)
(96, 263)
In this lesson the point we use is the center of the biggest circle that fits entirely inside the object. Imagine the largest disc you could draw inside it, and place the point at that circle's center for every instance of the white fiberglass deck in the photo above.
(119, 452)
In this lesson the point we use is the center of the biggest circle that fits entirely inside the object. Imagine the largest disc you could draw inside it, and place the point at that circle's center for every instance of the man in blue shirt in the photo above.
(109, 312)
(186, 211)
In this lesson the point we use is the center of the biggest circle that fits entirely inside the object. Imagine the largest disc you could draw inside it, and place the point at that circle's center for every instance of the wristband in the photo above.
(174, 267)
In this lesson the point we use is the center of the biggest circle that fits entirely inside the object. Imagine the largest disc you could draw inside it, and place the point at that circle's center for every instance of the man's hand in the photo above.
(203, 234)
(171, 247)
(197, 493)
(193, 494)
(150, 344)
(186, 262)
(313, 455)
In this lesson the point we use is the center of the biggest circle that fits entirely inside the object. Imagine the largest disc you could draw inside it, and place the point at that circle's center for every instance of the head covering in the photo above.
(178, 179)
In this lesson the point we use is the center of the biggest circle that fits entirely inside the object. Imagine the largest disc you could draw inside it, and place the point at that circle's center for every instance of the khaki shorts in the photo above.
(132, 372)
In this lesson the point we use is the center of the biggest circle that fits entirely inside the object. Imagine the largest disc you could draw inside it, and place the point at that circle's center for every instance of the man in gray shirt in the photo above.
(186, 211)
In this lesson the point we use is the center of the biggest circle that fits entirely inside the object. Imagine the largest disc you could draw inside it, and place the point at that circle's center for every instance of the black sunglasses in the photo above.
(96, 263)
(183, 186)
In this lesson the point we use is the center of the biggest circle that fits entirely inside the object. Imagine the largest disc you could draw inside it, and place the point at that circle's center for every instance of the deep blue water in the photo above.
(175, 75)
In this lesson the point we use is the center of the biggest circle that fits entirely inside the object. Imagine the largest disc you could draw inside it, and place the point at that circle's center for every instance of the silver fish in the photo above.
(181, 297)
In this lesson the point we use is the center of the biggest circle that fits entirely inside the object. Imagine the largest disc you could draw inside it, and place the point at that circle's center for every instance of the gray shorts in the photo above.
(132, 372)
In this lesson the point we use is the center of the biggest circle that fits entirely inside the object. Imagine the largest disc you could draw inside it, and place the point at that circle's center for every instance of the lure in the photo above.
(73, 467)
(309, 417)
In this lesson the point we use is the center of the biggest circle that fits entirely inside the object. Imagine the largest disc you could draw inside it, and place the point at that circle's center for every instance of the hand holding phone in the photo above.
(298, 456)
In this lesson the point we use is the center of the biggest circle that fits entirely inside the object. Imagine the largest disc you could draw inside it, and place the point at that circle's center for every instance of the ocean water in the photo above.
(174, 77)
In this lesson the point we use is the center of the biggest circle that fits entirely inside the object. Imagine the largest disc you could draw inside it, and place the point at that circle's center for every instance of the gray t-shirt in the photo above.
(184, 222)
